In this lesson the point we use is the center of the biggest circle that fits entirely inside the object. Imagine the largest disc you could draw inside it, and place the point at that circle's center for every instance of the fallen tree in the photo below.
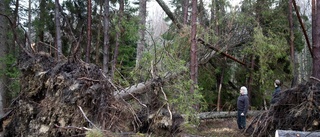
(296, 109)
(69, 98)
(292, 133)
(225, 114)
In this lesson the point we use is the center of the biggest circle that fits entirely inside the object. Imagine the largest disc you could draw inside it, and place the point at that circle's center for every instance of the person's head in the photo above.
(243, 90)
(277, 83)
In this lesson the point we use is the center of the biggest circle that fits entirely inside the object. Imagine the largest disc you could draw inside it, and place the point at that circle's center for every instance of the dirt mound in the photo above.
(296, 109)
(56, 98)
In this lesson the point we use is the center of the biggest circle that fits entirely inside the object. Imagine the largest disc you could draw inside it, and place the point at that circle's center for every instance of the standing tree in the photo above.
(106, 43)
(97, 49)
(43, 13)
(88, 32)
(316, 38)
(185, 8)
(3, 48)
(29, 24)
(58, 30)
(193, 52)
(142, 29)
(15, 23)
(118, 38)
(291, 44)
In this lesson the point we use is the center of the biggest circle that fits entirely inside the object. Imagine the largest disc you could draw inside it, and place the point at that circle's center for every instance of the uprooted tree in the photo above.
(71, 97)
(296, 109)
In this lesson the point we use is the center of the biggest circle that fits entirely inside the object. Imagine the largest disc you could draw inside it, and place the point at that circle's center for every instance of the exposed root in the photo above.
(297, 109)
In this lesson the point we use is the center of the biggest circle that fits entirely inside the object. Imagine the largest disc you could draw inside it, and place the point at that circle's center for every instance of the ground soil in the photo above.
(226, 127)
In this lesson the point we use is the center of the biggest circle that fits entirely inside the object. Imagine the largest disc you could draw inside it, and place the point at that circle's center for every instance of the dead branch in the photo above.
(168, 107)
(314, 78)
(84, 115)
(89, 79)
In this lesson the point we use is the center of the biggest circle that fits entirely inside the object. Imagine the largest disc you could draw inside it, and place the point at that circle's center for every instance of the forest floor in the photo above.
(226, 127)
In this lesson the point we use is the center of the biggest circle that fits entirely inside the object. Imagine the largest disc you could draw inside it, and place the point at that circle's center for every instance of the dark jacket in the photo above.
(276, 91)
(243, 103)
(275, 95)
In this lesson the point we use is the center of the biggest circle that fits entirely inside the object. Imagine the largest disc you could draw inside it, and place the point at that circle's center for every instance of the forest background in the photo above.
(250, 44)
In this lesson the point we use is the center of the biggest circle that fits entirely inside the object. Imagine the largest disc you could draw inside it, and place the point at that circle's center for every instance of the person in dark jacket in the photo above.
(275, 94)
(242, 106)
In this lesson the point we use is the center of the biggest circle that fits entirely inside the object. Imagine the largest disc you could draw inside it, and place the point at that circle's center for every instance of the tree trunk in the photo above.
(42, 24)
(291, 43)
(219, 90)
(193, 52)
(3, 48)
(58, 30)
(99, 34)
(29, 26)
(142, 29)
(106, 44)
(224, 114)
(185, 8)
(16, 21)
(118, 38)
(88, 32)
(250, 79)
(316, 44)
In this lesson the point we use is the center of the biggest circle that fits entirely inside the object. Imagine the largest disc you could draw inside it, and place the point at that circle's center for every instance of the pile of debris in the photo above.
(71, 97)
(296, 109)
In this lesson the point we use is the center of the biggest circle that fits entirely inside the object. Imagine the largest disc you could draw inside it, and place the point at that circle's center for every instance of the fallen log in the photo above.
(225, 114)
(291, 133)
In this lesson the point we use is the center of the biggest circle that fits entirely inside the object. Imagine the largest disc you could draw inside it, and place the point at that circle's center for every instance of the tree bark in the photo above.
(142, 30)
(220, 79)
(3, 48)
(118, 38)
(99, 34)
(106, 44)
(193, 52)
(58, 30)
(185, 8)
(316, 44)
(88, 32)
(29, 26)
(42, 24)
(291, 43)
(16, 22)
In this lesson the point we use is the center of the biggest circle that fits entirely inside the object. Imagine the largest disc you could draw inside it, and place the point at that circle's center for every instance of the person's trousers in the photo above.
(241, 120)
